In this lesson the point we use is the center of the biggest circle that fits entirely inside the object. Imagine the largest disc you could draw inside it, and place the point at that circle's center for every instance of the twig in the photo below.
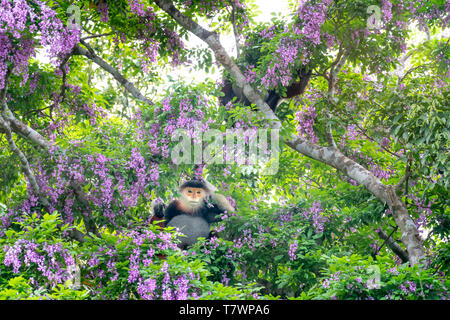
(8, 122)
(411, 70)
(25, 165)
(402, 254)
(97, 36)
(405, 177)
(90, 54)
(336, 66)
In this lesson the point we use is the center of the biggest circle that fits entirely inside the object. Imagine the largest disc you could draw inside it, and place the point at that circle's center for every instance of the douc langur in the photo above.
(192, 213)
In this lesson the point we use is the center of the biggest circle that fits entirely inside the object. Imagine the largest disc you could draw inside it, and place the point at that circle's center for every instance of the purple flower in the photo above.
(386, 7)
(292, 248)
(12, 256)
(305, 126)
(103, 10)
(314, 214)
(146, 289)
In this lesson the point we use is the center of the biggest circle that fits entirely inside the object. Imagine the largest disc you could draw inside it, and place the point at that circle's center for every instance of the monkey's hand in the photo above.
(210, 187)
(222, 202)
(158, 208)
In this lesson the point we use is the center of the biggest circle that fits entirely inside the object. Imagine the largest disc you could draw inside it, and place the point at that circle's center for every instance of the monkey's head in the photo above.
(193, 192)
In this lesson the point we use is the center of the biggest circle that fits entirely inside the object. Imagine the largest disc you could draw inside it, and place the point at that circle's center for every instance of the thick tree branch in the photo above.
(405, 177)
(90, 54)
(87, 219)
(62, 93)
(25, 165)
(400, 80)
(410, 234)
(329, 137)
(394, 246)
(9, 123)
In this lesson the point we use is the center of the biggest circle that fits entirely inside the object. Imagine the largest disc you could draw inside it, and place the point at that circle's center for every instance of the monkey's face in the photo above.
(193, 197)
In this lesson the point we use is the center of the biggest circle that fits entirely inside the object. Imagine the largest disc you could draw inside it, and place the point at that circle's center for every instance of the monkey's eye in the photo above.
(198, 192)
(190, 191)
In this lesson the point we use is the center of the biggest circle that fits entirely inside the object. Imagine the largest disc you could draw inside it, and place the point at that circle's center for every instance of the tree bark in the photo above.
(9, 123)
(402, 254)
(327, 155)
(25, 131)
(24, 162)
(90, 54)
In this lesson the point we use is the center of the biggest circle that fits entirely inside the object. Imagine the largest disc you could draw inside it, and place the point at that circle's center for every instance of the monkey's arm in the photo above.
(158, 208)
(222, 203)
(216, 205)
(171, 211)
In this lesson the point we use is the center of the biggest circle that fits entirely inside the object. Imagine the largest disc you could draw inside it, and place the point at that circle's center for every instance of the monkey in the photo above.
(192, 213)
(272, 98)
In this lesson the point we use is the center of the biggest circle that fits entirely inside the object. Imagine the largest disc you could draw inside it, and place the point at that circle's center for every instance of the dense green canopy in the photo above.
(326, 128)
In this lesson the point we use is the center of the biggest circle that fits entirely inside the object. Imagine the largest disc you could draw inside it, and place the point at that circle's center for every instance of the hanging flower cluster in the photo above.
(20, 22)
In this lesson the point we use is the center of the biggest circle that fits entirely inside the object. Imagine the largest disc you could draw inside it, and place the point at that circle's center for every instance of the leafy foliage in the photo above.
(108, 95)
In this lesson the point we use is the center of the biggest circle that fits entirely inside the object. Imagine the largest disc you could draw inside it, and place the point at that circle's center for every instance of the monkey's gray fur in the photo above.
(192, 227)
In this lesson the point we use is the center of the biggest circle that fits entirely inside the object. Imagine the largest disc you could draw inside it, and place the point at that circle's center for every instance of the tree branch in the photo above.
(394, 246)
(25, 165)
(326, 155)
(97, 35)
(367, 136)
(90, 54)
(405, 177)
(8, 122)
(212, 39)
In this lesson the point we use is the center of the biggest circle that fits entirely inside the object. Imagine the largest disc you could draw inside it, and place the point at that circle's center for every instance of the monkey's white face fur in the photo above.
(192, 198)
